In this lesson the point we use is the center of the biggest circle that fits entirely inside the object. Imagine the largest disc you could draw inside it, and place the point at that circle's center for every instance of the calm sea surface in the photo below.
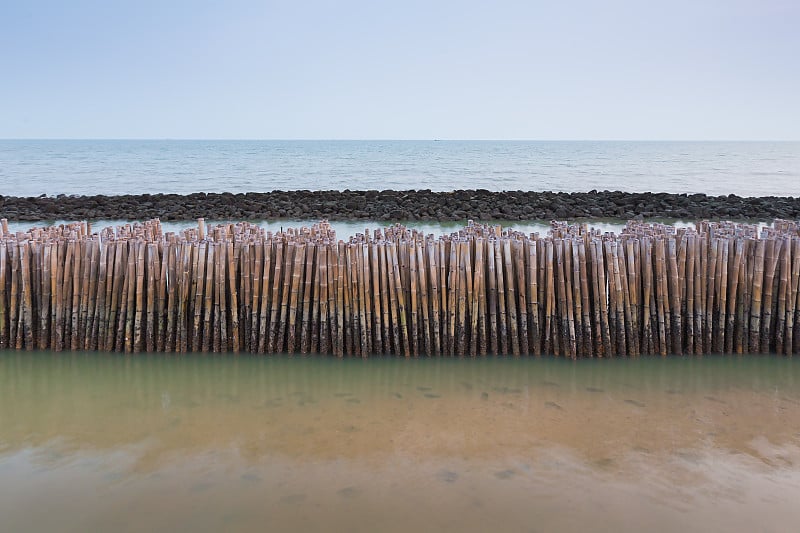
(31, 168)
(97, 442)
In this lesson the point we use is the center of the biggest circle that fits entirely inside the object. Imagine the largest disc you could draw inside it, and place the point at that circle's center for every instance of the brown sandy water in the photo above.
(96, 442)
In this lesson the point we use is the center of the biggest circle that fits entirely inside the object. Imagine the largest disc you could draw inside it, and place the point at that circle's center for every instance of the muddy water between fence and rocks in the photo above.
(228, 443)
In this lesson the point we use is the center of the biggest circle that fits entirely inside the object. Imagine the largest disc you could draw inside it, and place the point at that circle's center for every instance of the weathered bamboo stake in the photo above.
(36, 253)
(566, 331)
(466, 292)
(713, 311)
(286, 289)
(245, 290)
(324, 335)
(699, 293)
(357, 263)
(682, 243)
(617, 269)
(27, 296)
(385, 313)
(205, 280)
(518, 252)
(256, 273)
(740, 324)
(349, 313)
(491, 276)
(661, 295)
(435, 283)
(635, 274)
(341, 311)
(372, 260)
(414, 303)
(577, 296)
(452, 290)
(125, 341)
(690, 293)
(443, 254)
(264, 282)
(332, 311)
(547, 258)
(674, 287)
(794, 331)
(574, 300)
(393, 306)
(747, 296)
(294, 291)
(793, 299)
(139, 297)
(197, 293)
(477, 332)
(534, 310)
(502, 329)
(712, 298)
(366, 278)
(180, 301)
(646, 263)
(352, 289)
(274, 315)
(402, 323)
(611, 294)
(90, 288)
(534, 301)
(235, 337)
(732, 295)
(462, 297)
(511, 298)
(220, 341)
(15, 340)
(113, 288)
(316, 290)
(784, 263)
(755, 306)
(44, 305)
(75, 291)
(425, 323)
(770, 263)
(57, 254)
(626, 300)
(125, 281)
(97, 335)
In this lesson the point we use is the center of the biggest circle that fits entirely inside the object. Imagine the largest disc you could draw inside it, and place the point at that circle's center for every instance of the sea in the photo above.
(112, 167)
(231, 442)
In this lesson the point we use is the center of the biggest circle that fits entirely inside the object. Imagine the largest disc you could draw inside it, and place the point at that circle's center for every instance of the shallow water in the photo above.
(225, 443)
(348, 228)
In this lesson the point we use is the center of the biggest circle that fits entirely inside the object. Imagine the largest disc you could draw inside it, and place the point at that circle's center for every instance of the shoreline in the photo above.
(409, 205)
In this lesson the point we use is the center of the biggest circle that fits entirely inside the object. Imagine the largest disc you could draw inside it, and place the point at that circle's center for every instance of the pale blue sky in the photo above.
(571, 69)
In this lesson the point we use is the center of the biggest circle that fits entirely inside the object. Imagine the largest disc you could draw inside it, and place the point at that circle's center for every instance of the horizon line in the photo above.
(376, 139)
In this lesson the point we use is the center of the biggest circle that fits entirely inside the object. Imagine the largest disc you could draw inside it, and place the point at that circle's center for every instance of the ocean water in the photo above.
(102, 442)
(52, 167)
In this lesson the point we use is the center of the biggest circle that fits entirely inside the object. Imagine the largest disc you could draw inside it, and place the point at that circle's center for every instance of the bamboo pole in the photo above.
(511, 298)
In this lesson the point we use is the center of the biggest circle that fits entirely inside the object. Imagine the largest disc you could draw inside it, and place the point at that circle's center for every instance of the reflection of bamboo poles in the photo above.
(718, 287)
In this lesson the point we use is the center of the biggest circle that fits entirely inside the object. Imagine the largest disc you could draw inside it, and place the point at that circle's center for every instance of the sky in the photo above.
(246, 69)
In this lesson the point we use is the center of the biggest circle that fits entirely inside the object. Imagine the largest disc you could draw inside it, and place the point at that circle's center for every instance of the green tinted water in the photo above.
(107, 442)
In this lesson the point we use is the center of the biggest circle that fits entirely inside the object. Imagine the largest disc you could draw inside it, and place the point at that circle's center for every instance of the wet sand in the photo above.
(247, 444)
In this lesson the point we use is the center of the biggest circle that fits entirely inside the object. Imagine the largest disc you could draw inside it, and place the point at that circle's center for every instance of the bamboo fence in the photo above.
(652, 289)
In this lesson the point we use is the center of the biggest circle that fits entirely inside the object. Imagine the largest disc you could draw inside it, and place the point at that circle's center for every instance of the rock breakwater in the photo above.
(400, 205)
